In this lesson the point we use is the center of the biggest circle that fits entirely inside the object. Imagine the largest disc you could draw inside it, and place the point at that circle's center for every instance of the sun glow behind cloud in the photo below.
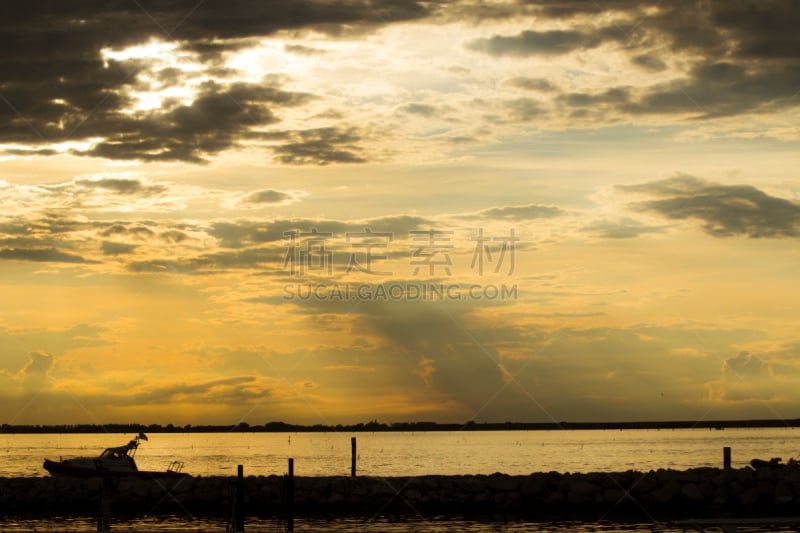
(158, 65)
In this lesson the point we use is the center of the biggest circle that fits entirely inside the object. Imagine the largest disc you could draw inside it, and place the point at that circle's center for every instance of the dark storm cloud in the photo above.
(715, 89)
(441, 338)
(765, 28)
(740, 56)
(723, 210)
(573, 8)
(213, 122)
(57, 86)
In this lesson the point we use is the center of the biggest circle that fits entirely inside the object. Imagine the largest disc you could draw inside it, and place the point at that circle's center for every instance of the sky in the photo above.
(316, 212)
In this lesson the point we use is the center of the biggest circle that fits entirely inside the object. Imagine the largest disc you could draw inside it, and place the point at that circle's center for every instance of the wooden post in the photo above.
(290, 497)
(726, 457)
(239, 510)
(353, 456)
(104, 518)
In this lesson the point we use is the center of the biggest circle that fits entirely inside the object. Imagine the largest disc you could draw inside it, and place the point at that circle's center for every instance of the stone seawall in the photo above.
(663, 492)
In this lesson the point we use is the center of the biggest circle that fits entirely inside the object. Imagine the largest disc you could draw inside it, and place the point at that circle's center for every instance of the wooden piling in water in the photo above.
(238, 519)
(290, 497)
(726, 457)
(352, 456)
(104, 516)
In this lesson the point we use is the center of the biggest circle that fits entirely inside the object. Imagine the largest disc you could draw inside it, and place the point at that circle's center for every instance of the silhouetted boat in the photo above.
(113, 462)
(775, 462)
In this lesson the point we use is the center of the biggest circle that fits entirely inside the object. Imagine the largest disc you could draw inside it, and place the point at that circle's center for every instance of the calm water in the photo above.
(396, 454)
(405, 454)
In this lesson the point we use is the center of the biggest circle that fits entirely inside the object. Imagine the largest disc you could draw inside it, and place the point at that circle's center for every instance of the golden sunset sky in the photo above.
(627, 170)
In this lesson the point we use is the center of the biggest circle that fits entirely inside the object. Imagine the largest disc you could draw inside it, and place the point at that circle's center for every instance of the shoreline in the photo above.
(672, 494)
(375, 427)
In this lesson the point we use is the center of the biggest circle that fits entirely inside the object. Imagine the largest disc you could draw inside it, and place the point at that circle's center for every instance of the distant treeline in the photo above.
(375, 426)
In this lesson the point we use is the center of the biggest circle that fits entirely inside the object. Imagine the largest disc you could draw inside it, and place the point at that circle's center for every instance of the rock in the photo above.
(766, 488)
(534, 484)
(691, 492)
(335, 497)
(583, 492)
(749, 496)
(413, 495)
(783, 494)
(615, 495)
(667, 493)
(765, 474)
(503, 483)
(644, 483)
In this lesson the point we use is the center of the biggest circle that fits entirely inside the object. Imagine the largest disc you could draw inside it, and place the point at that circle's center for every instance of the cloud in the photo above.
(37, 367)
(44, 255)
(744, 377)
(552, 42)
(31, 348)
(321, 146)
(621, 229)
(303, 50)
(124, 186)
(108, 191)
(214, 121)
(523, 110)
(532, 84)
(117, 248)
(271, 197)
(61, 84)
(737, 57)
(135, 231)
(236, 390)
(723, 210)
(425, 110)
(33, 375)
(241, 233)
(521, 212)
(251, 258)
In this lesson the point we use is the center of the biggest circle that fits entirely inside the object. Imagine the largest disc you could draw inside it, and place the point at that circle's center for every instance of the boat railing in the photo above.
(175, 466)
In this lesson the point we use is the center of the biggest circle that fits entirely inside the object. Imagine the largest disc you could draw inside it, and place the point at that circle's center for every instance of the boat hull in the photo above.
(64, 468)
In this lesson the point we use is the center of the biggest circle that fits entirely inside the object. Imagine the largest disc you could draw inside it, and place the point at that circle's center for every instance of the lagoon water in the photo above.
(414, 453)
(395, 454)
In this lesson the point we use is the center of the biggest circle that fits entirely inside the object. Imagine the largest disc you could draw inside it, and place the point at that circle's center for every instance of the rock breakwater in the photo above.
(663, 492)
